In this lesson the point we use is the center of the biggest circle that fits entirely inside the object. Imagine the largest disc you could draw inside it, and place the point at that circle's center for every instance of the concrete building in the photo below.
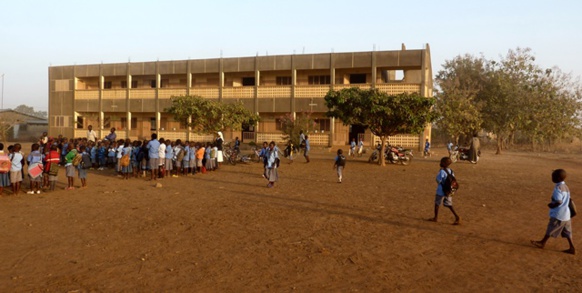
(132, 96)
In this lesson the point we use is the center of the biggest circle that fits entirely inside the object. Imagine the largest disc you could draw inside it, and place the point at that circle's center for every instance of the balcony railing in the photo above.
(87, 95)
(142, 94)
(398, 88)
(311, 91)
(364, 86)
(114, 94)
(168, 93)
(279, 91)
(209, 93)
(241, 92)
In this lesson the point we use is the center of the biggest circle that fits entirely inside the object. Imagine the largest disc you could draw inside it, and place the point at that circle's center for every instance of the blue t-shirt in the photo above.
(153, 146)
(440, 178)
(169, 152)
(186, 153)
(561, 193)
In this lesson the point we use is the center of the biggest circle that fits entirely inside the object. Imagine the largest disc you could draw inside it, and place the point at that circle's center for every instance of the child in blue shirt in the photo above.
(101, 156)
(186, 159)
(441, 197)
(426, 148)
(560, 223)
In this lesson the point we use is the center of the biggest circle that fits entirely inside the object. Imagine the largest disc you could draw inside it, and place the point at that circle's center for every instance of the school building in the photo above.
(132, 96)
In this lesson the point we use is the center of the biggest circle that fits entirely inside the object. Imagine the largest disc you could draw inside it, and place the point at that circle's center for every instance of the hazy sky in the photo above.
(37, 34)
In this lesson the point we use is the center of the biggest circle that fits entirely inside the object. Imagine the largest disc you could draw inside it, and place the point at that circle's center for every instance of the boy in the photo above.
(441, 197)
(426, 148)
(560, 222)
(339, 164)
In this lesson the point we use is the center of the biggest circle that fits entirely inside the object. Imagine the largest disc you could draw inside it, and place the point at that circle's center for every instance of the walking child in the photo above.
(339, 164)
(560, 223)
(441, 197)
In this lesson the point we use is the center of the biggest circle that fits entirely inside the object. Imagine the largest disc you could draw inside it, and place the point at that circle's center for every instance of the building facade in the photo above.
(132, 96)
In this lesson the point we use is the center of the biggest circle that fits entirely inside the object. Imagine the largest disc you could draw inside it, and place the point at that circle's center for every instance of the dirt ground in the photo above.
(226, 232)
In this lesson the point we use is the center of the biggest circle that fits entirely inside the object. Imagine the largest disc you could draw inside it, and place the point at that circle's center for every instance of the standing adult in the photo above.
(91, 134)
(307, 148)
(219, 142)
(474, 149)
(111, 136)
(153, 148)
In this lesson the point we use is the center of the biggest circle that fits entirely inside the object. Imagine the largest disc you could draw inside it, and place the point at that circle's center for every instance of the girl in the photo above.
(71, 153)
(127, 151)
(16, 158)
(82, 171)
(4, 177)
(33, 159)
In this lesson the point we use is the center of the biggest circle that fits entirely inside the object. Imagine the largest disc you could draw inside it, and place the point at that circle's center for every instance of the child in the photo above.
(200, 151)
(162, 158)
(214, 156)
(70, 169)
(82, 171)
(119, 151)
(93, 152)
(169, 166)
(101, 156)
(4, 177)
(186, 159)
(16, 158)
(34, 159)
(178, 157)
(426, 148)
(441, 197)
(127, 151)
(207, 161)
(134, 157)
(353, 148)
(339, 164)
(52, 158)
(192, 154)
(560, 218)
(112, 154)
(271, 173)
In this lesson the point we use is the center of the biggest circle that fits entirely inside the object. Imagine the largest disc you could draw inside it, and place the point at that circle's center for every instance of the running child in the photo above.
(441, 197)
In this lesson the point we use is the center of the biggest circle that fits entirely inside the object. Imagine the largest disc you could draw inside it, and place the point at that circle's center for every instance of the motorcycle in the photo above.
(462, 154)
(393, 155)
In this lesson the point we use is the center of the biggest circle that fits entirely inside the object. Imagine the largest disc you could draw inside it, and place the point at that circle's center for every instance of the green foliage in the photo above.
(509, 97)
(385, 115)
(209, 116)
(460, 81)
(292, 126)
(30, 111)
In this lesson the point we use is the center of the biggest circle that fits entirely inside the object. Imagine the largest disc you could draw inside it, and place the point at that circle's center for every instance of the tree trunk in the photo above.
(381, 160)
(499, 143)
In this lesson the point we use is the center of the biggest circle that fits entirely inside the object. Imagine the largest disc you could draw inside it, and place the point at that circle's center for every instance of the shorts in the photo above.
(16, 176)
(557, 228)
(306, 152)
(169, 166)
(70, 169)
(198, 162)
(186, 164)
(192, 163)
(82, 173)
(178, 164)
(444, 200)
(35, 179)
(154, 163)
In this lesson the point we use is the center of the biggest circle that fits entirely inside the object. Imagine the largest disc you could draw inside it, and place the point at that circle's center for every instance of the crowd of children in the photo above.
(129, 159)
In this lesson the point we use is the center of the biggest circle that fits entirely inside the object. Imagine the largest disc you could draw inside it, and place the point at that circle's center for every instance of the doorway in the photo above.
(355, 131)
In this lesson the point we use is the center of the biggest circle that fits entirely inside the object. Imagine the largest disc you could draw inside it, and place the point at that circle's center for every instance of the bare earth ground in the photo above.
(226, 232)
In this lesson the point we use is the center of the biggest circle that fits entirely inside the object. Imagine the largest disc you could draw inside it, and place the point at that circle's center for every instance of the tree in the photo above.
(208, 116)
(460, 81)
(292, 126)
(385, 115)
(30, 111)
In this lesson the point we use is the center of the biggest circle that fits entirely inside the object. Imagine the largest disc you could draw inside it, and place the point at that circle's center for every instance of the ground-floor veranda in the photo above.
(327, 131)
